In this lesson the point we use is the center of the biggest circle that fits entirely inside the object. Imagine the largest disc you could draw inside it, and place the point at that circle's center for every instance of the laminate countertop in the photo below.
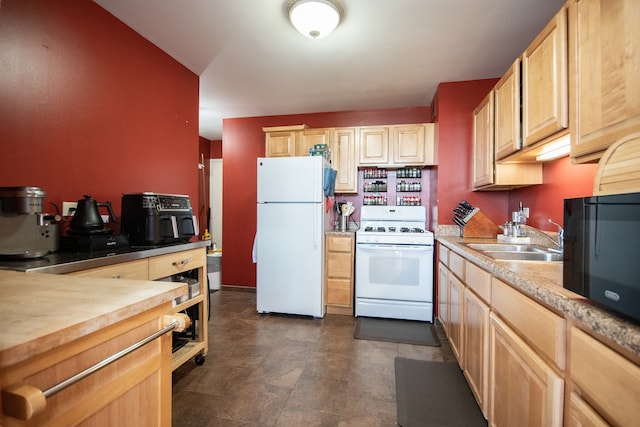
(542, 281)
(44, 311)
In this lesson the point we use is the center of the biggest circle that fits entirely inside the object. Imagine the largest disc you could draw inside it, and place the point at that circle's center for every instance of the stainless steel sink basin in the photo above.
(506, 247)
(517, 252)
(524, 256)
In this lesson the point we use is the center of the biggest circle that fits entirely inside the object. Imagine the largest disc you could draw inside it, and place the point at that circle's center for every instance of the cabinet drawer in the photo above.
(456, 265)
(443, 255)
(479, 280)
(609, 382)
(339, 292)
(541, 328)
(339, 244)
(339, 265)
(176, 263)
(134, 270)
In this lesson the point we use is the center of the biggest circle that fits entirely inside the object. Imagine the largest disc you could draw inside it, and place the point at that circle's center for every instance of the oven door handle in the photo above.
(414, 248)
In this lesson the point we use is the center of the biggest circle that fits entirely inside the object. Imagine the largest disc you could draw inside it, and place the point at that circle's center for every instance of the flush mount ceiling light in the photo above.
(314, 18)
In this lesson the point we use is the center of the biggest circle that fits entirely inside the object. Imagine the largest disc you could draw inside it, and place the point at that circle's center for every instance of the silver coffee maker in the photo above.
(25, 231)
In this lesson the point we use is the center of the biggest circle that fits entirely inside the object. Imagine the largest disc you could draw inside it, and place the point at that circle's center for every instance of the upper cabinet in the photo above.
(604, 61)
(309, 138)
(544, 83)
(531, 98)
(487, 174)
(507, 112)
(281, 141)
(374, 145)
(397, 146)
(344, 159)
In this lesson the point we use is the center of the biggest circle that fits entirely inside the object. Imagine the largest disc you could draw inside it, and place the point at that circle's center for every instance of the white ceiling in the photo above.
(384, 53)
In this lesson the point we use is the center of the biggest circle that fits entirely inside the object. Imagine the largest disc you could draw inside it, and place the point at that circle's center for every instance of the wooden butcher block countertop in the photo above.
(43, 311)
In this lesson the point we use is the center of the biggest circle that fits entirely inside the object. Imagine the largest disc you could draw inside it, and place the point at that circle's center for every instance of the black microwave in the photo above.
(602, 251)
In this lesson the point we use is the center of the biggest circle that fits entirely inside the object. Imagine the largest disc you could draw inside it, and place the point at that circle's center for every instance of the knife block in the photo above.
(479, 225)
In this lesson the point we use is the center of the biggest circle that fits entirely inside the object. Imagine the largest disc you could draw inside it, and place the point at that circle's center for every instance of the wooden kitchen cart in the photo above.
(155, 264)
(85, 351)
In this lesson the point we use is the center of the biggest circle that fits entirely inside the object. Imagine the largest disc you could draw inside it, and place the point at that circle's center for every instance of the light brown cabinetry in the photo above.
(397, 146)
(524, 390)
(344, 159)
(507, 112)
(282, 141)
(443, 279)
(309, 138)
(487, 174)
(476, 347)
(339, 274)
(455, 289)
(604, 59)
(135, 270)
(374, 145)
(604, 384)
(545, 108)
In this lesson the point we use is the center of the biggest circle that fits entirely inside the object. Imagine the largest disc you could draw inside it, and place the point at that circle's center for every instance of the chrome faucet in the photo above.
(560, 242)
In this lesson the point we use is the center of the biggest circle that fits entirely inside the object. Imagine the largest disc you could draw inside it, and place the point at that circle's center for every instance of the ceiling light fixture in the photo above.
(314, 18)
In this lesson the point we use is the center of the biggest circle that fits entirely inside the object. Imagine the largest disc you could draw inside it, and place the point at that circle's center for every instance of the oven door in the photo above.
(394, 272)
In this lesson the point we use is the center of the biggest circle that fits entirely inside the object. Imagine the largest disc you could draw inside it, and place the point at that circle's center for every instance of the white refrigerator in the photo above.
(291, 223)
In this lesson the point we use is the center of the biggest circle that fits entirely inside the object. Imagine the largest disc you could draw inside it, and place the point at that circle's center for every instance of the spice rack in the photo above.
(375, 182)
(381, 185)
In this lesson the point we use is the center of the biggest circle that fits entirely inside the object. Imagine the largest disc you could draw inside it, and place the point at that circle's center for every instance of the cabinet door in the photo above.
(507, 110)
(524, 390)
(455, 289)
(408, 144)
(344, 159)
(476, 347)
(281, 144)
(604, 59)
(309, 138)
(374, 145)
(135, 270)
(483, 143)
(544, 82)
(443, 300)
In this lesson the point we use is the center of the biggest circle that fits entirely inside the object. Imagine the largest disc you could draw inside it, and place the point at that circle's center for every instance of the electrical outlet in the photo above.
(68, 208)
(526, 212)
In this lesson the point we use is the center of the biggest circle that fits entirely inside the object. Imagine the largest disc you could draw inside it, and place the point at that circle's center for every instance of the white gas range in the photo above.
(394, 263)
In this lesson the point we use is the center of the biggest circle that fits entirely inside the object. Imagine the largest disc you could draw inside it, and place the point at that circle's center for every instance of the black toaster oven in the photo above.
(153, 219)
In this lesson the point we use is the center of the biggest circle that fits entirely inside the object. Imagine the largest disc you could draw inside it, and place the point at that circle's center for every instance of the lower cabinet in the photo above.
(443, 297)
(455, 289)
(525, 390)
(339, 275)
(604, 384)
(476, 347)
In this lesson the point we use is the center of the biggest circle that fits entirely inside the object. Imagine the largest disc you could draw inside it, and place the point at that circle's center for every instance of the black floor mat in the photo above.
(434, 394)
(399, 331)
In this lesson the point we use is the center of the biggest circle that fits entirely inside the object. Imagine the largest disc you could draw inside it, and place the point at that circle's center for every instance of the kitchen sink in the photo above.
(517, 252)
(524, 256)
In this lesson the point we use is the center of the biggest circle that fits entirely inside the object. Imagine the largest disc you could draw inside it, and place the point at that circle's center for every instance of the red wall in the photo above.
(454, 104)
(88, 106)
(561, 180)
(243, 141)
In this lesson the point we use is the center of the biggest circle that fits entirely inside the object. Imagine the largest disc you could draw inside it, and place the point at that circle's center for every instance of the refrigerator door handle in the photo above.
(317, 224)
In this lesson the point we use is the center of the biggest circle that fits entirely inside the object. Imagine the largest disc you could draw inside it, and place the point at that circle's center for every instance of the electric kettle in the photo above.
(87, 220)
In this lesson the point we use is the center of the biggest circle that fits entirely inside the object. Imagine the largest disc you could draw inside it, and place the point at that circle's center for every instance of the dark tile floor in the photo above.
(278, 370)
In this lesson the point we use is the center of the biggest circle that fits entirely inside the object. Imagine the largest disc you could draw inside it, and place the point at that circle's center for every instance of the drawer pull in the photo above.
(179, 263)
(22, 401)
